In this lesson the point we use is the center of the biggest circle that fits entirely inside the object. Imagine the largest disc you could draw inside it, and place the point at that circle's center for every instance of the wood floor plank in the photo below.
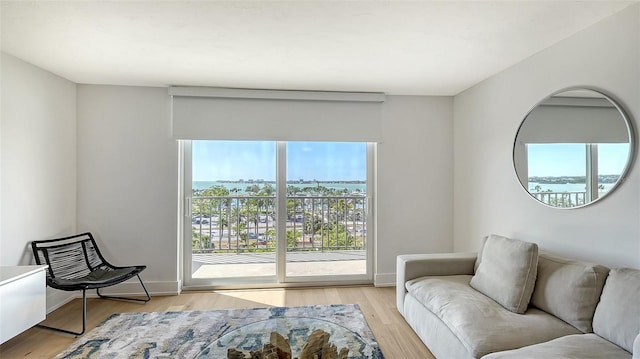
(396, 339)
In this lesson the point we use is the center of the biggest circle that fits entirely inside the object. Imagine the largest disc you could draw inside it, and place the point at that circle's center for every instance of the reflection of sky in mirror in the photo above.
(234, 160)
(568, 159)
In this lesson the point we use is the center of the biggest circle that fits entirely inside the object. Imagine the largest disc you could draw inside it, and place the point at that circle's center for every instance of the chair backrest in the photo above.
(69, 257)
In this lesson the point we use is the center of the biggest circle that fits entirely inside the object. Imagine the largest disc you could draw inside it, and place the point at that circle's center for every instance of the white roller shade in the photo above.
(569, 120)
(233, 114)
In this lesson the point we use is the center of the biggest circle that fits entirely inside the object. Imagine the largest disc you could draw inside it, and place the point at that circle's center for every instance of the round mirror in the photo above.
(573, 148)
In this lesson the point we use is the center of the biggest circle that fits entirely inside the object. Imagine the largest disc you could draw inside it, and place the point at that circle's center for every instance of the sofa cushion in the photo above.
(583, 346)
(507, 272)
(434, 333)
(617, 316)
(569, 289)
(482, 325)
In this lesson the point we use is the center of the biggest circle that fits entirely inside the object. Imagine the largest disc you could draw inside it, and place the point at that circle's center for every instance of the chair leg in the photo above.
(84, 309)
(84, 319)
(126, 298)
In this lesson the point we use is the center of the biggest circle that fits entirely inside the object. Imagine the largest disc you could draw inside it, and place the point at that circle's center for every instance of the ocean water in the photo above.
(350, 187)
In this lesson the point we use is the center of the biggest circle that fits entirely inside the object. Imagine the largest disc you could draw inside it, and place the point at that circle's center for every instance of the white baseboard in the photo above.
(133, 288)
(57, 298)
(384, 280)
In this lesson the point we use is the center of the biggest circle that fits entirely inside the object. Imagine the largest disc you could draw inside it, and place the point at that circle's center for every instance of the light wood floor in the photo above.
(395, 337)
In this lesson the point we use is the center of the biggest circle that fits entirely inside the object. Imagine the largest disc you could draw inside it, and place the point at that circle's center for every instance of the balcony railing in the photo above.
(561, 199)
(246, 223)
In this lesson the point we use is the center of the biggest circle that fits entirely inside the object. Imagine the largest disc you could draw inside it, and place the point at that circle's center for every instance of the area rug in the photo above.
(193, 334)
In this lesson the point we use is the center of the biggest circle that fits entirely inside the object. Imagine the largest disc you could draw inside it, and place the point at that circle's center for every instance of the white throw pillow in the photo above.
(507, 272)
(569, 289)
(617, 316)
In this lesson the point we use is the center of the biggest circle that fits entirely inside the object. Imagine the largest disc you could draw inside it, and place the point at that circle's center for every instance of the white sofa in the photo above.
(509, 301)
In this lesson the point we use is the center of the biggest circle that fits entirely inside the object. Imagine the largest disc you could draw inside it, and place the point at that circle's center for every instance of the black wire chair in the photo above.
(75, 263)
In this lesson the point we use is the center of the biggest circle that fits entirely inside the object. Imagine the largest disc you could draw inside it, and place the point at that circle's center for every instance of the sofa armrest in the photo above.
(411, 266)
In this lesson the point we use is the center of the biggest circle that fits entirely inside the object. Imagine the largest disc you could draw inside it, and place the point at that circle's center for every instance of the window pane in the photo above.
(558, 167)
(326, 161)
(558, 173)
(326, 202)
(612, 158)
(235, 162)
(233, 208)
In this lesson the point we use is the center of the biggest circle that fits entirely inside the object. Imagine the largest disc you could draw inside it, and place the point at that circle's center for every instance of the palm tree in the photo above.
(216, 200)
(292, 238)
(313, 226)
(253, 189)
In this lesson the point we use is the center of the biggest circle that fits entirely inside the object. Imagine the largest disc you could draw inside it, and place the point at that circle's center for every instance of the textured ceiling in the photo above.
(427, 48)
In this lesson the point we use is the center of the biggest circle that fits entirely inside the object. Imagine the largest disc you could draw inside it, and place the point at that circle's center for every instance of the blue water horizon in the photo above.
(350, 186)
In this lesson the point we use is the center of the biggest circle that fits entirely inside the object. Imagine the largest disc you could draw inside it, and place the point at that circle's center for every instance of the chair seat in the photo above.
(97, 278)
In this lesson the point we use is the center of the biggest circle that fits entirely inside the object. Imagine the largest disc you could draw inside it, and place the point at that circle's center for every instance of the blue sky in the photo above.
(233, 160)
(569, 159)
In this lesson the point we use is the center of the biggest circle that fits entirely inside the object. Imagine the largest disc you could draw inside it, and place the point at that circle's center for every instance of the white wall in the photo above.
(38, 162)
(414, 180)
(38, 127)
(128, 171)
(128, 180)
(488, 197)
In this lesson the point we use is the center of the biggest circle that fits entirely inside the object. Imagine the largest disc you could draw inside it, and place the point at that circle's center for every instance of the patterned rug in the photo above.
(200, 334)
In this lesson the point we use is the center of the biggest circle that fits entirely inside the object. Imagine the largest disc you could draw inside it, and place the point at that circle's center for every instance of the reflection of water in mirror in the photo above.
(576, 141)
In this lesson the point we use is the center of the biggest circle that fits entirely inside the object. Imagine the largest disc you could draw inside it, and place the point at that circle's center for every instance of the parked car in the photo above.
(199, 220)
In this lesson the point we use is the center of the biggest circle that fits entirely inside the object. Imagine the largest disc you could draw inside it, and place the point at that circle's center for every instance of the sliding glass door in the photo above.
(232, 219)
(326, 198)
(276, 212)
